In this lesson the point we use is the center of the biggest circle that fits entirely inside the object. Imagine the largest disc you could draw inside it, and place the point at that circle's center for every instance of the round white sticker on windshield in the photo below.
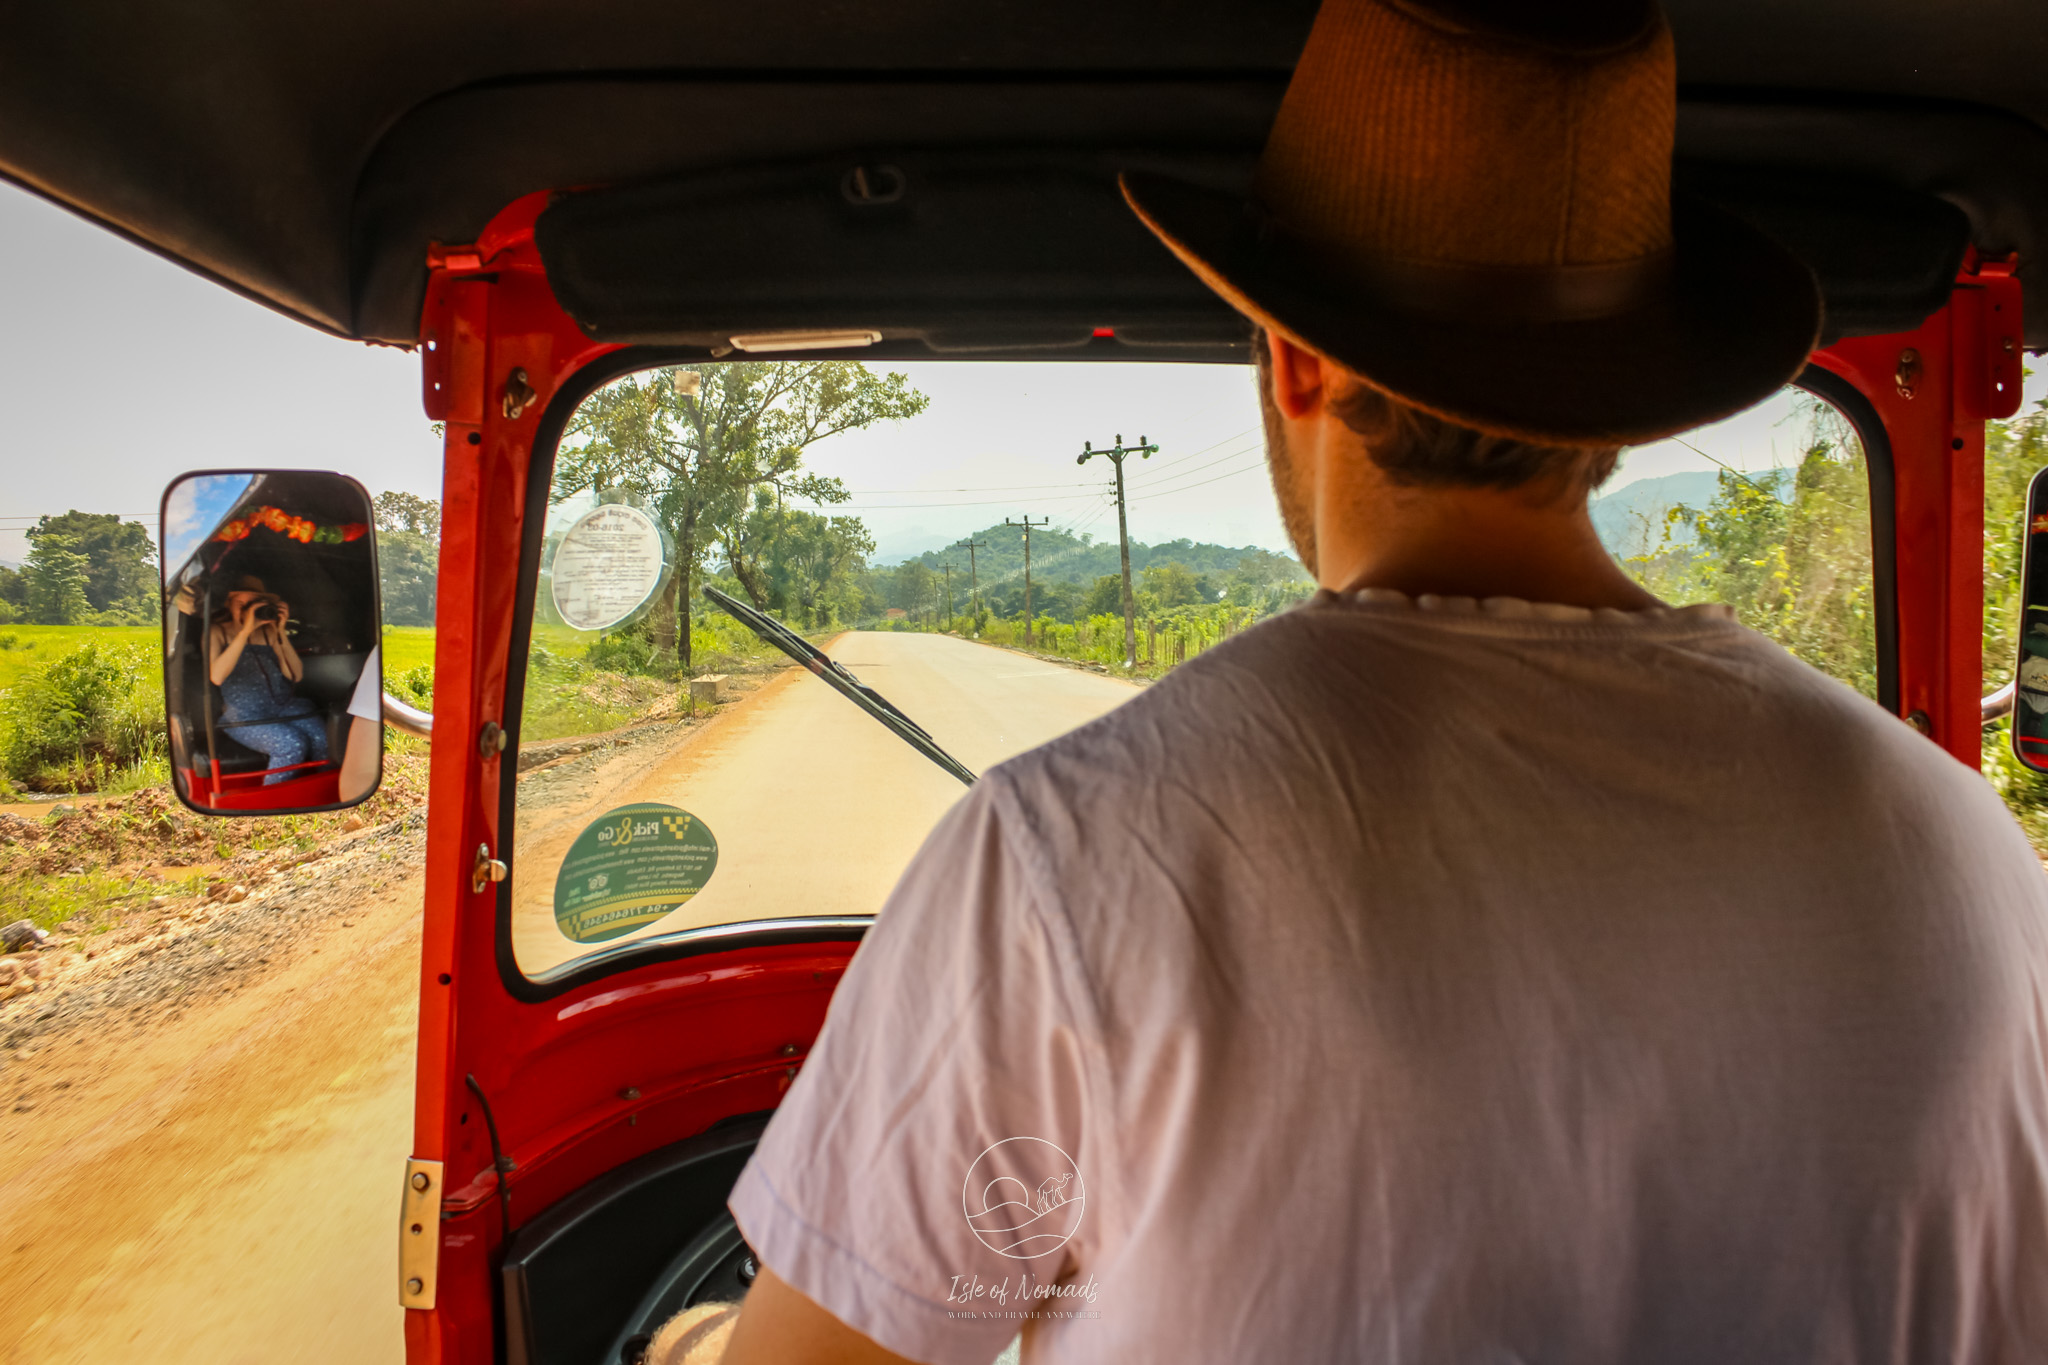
(610, 562)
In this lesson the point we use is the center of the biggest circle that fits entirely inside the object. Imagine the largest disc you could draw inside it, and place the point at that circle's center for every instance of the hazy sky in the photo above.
(124, 371)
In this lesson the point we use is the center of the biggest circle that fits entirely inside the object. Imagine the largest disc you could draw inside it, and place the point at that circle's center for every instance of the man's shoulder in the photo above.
(1169, 731)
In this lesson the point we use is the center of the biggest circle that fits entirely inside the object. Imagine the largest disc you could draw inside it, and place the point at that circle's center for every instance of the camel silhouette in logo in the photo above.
(1052, 1193)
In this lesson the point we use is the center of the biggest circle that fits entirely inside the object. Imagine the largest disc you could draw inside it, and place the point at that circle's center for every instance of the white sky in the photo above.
(124, 371)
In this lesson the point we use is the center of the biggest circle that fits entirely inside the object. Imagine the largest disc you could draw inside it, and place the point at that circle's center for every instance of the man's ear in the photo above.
(1299, 377)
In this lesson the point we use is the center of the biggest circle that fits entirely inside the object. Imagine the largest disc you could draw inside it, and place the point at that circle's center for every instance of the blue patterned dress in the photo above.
(258, 690)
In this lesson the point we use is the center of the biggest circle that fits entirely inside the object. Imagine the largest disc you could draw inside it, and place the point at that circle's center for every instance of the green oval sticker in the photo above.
(629, 868)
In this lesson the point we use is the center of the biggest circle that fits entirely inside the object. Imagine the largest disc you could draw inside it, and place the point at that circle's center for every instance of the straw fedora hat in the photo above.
(1468, 203)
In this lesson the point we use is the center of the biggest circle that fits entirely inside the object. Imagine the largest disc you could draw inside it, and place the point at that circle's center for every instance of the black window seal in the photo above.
(1845, 398)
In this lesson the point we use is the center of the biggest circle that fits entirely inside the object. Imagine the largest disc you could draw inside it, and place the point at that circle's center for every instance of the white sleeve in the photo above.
(932, 1148)
(368, 701)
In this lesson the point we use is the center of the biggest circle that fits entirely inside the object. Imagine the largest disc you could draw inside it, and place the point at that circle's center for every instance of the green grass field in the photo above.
(407, 647)
(23, 648)
(26, 647)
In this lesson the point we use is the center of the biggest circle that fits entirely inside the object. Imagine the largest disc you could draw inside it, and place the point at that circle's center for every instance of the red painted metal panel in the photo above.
(1933, 388)
(583, 1081)
(586, 1080)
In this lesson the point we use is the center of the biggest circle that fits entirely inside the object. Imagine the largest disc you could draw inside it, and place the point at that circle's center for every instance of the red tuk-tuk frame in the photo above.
(592, 1061)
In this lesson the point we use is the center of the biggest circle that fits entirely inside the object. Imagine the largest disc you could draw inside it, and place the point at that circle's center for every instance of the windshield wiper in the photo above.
(834, 673)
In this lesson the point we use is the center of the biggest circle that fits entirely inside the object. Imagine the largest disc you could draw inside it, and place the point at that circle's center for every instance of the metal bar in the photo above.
(1999, 704)
(410, 719)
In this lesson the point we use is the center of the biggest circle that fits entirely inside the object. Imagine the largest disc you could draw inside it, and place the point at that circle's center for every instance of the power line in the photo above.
(1220, 459)
(980, 502)
(1248, 469)
(1197, 454)
(1026, 524)
(977, 488)
(1116, 456)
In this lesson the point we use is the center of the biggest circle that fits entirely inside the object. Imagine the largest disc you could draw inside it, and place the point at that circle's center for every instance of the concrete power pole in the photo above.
(1123, 531)
(949, 596)
(973, 578)
(1026, 524)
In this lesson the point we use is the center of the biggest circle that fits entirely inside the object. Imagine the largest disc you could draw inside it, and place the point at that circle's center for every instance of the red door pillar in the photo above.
(1934, 388)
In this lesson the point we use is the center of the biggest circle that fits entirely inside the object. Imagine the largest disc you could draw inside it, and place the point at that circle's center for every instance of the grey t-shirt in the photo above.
(1444, 982)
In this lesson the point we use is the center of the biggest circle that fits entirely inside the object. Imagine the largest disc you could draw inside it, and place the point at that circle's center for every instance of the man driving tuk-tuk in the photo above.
(1485, 961)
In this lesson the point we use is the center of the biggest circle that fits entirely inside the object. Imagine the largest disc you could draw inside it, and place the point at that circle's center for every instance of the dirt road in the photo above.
(217, 1182)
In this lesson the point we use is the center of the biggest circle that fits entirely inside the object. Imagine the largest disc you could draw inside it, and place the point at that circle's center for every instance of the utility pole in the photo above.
(973, 578)
(949, 596)
(1026, 524)
(1123, 532)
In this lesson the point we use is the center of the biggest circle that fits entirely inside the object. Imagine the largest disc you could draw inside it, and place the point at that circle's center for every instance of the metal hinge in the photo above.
(419, 1235)
(486, 871)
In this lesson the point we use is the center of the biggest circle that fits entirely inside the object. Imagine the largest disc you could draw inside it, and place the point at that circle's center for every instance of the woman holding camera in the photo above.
(257, 671)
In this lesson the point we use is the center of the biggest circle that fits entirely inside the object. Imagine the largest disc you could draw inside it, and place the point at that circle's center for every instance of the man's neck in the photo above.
(1471, 542)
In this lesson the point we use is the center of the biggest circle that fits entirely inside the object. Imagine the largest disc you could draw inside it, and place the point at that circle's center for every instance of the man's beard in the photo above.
(1296, 514)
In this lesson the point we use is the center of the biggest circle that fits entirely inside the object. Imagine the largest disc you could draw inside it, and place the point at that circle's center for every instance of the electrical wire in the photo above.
(1248, 469)
(978, 488)
(1154, 477)
(983, 502)
(1197, 454)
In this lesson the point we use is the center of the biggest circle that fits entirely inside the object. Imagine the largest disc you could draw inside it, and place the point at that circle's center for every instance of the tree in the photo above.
(695, 444)
(1105, 596)
(120, 561)
(813, 561)
(407, 564)
(1789, 550)
(1173, 585)
(56, 575)
(407, 512)
(915, 589)
(408, 556)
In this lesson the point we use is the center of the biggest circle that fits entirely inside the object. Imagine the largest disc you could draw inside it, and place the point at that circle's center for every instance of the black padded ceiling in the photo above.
(306, 155)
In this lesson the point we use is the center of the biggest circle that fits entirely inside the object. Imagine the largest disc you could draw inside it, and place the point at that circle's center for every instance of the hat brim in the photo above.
(1733, 321)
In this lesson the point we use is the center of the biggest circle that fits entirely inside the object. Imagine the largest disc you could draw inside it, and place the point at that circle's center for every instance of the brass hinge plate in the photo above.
(419, 1235)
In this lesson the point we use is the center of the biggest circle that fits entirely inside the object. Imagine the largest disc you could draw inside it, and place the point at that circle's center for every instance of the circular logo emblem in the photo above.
(1023, 1198)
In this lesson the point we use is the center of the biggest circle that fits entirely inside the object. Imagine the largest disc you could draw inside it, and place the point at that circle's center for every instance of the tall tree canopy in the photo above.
(118, 566)
(55, 577)
(698, 444)
(408, 556)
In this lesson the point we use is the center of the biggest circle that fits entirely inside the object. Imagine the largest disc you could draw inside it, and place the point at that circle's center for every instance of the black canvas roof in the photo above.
(306, 155)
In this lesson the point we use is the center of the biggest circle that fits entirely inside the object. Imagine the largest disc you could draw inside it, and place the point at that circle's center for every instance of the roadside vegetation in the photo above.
(1790, 549)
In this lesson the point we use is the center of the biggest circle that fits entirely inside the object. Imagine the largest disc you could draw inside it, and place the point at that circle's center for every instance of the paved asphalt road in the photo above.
(221, 1189)
(816, 807)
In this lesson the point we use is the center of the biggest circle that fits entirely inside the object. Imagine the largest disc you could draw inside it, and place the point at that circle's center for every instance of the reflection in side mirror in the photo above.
(2030, 703)
(273, 680)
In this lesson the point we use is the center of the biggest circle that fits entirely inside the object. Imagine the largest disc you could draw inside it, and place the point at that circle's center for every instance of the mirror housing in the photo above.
(2030, 674)
(273, 673)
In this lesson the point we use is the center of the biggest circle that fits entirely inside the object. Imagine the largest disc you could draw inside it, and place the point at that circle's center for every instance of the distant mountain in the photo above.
(1057, 557)
(1630, 519)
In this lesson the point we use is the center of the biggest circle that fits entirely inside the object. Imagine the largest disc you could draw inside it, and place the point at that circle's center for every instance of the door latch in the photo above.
(419, 1235)
(487, 870)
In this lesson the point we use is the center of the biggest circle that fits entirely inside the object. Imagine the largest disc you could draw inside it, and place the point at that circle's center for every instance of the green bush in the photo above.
(414, 686)
(624, 653)
(84, 719)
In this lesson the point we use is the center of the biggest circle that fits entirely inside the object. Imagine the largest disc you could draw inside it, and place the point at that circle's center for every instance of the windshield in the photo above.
(931, 561)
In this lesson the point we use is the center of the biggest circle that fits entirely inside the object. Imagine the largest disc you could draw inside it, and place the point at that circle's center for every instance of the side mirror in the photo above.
(2030, 699)
(273, 678)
